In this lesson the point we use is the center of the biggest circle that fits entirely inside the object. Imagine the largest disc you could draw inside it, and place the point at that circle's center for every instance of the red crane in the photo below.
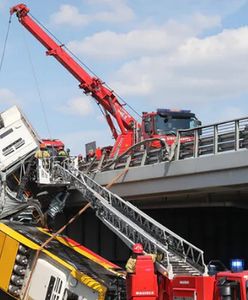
(163, 123)
(91, 85)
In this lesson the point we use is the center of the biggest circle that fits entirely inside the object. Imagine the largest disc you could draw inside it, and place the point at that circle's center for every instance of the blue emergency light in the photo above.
(237, 265)
(166, 110)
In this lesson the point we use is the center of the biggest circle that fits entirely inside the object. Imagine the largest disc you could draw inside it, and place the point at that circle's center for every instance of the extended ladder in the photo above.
(134, 226)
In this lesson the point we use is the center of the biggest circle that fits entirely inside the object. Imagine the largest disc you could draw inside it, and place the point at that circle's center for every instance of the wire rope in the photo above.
(36, 82)
(5, 44)
(83, 64)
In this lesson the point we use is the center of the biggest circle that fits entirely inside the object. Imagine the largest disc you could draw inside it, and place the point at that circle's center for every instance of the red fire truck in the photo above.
(145, 283)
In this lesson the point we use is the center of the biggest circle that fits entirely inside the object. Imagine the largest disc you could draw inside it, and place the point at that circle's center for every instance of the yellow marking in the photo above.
(80, 276)
(97, 260)
(18, 237)
(2, 239)
(7, 261)
(91, 283)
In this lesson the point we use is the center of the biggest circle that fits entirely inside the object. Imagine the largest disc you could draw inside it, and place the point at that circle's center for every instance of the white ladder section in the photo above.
(134, 226)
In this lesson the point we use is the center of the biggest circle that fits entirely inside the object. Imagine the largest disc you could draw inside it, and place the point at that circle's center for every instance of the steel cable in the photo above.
(5, 44)
(36, 82)
(84, 65)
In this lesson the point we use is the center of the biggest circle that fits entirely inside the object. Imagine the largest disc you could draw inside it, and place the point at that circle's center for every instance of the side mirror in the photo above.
(198, 123)
(225, 290)
(148, 127)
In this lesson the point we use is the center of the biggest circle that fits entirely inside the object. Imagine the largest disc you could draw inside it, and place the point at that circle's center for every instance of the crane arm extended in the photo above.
(91, 85)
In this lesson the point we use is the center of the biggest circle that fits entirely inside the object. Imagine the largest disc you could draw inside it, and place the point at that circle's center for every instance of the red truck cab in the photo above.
(223, 286)
(164, 123)
(232, 285)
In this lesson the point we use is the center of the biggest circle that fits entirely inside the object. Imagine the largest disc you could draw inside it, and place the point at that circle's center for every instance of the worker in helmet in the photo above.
(62, 154)
(42, 152)
(137, 250)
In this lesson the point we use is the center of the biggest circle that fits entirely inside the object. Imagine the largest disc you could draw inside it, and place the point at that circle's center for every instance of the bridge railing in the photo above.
(212, 139)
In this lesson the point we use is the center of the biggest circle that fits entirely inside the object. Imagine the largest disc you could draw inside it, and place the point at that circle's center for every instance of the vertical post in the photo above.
(196, 143)
(215, 141)
(236, 142)
(178, 146)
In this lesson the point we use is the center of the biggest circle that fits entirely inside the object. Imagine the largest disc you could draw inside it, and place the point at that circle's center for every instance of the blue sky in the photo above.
(189, 54)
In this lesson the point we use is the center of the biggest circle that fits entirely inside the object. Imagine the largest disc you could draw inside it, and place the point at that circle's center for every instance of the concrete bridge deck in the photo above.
(224, 174)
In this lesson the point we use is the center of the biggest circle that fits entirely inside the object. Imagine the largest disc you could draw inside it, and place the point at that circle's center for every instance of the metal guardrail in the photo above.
(139, 154)
(213, 139)
(201, 141)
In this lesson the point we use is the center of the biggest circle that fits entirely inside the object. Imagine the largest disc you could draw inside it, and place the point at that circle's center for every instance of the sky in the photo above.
(183, 54)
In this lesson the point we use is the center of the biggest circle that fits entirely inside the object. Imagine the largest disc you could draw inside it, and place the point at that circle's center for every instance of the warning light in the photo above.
(237, 265)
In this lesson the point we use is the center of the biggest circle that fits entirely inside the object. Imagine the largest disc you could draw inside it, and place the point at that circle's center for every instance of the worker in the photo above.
(62, 153)
(42, 152)
(80, 159)
(90, 155)
(98, 153)
(52, 151)
(138, 250)
(68, 151)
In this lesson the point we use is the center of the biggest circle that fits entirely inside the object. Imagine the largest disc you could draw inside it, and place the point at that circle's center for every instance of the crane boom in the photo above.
(91, 85)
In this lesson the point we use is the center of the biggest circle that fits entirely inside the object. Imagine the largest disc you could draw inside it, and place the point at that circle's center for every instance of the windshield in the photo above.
(168, 124)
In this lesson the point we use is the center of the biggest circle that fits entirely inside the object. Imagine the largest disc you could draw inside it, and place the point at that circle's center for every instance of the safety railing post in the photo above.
(178, 146)
(196, 143)
(236, 135)
(215, 139)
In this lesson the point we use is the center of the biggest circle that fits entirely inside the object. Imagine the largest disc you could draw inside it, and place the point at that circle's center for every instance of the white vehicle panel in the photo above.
(17, 137)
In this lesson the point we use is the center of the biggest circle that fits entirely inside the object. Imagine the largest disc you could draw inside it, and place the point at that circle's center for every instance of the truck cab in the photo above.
(232, 285)
(164, 123)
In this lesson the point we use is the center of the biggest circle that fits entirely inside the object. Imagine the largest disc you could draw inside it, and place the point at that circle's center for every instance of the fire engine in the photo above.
(161, 124)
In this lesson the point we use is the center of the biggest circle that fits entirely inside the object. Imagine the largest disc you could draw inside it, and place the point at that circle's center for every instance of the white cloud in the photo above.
(8, 97)
(80, 106)
(139, 42)
(200, 69)
(111, 12)
(69, 15)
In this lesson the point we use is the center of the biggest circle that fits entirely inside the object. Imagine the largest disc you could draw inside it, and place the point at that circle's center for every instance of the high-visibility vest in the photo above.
(42, 154)
(62, 153)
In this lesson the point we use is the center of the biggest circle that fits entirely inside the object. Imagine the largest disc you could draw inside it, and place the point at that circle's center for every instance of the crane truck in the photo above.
(126, 130)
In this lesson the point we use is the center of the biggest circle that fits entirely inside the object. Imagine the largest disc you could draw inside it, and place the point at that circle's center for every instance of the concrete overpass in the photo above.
(199, 194)
(210, 170)
(210, 180)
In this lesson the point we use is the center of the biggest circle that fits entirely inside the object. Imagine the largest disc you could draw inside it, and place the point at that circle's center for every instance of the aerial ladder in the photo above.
(128, 222)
